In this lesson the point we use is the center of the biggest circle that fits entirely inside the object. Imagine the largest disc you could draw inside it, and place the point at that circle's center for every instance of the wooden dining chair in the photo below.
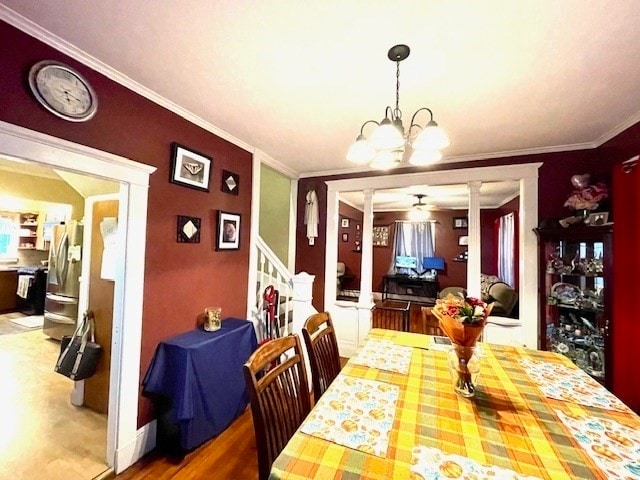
(279, 393)
(430, 324)
(322, 348)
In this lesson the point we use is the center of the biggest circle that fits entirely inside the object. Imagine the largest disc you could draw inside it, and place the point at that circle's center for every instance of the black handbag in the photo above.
(79, 353)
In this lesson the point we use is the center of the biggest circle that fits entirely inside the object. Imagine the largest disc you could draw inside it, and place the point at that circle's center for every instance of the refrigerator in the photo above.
(63, 280)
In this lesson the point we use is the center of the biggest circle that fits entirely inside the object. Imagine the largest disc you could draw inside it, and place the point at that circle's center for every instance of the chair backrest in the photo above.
(430, 324)
(322, 348)
(391, 315)
(279, 395)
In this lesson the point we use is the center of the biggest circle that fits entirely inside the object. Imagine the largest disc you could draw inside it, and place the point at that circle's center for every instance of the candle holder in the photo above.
(212, 318)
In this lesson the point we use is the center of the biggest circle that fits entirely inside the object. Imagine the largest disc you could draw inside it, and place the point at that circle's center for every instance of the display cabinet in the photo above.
(575, 288)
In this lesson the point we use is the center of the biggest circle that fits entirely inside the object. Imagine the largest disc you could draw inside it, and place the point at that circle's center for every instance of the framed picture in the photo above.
(344, 223)
(463, 240)
(189, 168)
(460, 222)
(230, 182)
(228, 231)
(381, 236)
(345, 237)
(188, 229)
(596, 219)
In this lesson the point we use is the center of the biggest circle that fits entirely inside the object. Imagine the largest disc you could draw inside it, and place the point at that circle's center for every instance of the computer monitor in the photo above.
(404, 261)
(433, 263)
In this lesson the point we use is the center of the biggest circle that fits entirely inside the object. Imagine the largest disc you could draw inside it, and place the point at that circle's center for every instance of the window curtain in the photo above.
(414, 239)
(507, 249)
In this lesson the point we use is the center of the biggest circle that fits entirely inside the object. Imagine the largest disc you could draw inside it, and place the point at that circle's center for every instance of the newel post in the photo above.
(302, 309)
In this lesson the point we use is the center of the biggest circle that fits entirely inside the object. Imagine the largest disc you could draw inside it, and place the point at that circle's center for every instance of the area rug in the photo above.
(33, 321)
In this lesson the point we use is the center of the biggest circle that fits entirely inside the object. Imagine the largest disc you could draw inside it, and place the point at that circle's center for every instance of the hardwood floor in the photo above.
(231, 455)
(41, 434)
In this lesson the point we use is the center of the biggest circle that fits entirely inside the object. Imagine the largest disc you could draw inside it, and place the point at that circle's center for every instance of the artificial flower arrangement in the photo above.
(587, 198)
(462, 318)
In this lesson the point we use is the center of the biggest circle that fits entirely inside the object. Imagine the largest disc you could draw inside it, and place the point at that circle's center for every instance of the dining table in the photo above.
(392, 413)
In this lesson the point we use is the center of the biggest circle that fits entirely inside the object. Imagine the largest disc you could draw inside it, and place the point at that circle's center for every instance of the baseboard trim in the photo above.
(144, 442)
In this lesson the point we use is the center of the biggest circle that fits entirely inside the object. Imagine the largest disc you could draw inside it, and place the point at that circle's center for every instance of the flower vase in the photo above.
(464, 367)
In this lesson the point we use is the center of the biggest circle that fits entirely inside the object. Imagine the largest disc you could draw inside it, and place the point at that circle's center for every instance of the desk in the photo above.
(197, 384)
(404, 287)
(509, 424)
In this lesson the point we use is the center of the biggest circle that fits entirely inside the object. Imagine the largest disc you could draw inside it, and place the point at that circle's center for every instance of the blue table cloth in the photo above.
(200, 373)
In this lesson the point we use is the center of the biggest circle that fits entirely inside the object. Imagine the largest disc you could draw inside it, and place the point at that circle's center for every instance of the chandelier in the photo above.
(419, 211)
(386, 146)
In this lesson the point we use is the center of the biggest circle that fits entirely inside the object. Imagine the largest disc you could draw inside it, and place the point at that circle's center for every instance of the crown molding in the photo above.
(467, 158)
(45, 36)
(629, 122)
(276, 165)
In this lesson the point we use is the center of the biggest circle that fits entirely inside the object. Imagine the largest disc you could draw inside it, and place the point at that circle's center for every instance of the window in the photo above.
(8, 235)
(413, 239)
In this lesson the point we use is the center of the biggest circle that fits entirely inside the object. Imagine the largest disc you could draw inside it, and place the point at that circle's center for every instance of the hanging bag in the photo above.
(79, 353)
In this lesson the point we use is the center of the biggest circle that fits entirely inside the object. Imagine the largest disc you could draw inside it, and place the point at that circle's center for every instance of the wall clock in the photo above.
(63, 91)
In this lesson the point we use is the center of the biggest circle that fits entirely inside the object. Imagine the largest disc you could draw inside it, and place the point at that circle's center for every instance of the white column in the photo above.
(473, 263)
(528, 271)
(365, 301)
(302, 309)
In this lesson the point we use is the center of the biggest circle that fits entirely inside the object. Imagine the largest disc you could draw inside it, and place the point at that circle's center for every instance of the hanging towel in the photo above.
(311, 216)
(24, 283)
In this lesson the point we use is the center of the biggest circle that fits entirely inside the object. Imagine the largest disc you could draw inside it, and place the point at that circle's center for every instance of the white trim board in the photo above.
(27, 145)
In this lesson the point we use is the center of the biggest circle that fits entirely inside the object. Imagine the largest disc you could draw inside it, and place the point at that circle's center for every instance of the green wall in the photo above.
(275, 200)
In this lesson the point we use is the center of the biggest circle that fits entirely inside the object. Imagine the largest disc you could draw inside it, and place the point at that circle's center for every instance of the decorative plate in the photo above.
(566, 292)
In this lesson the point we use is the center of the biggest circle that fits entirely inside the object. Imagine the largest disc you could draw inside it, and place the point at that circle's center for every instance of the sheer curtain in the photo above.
(414, 239)
(506, 249)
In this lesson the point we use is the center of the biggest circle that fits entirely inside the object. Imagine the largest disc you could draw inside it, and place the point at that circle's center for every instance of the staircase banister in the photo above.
(274, 260)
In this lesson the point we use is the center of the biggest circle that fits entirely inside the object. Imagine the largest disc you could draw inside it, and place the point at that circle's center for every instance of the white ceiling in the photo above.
(296, 79)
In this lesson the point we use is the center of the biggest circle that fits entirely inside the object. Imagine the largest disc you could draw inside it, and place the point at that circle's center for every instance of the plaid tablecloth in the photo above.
(509, 423)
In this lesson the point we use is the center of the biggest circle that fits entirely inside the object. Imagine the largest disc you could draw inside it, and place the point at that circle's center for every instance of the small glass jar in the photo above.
(464, 367)
(212, 318)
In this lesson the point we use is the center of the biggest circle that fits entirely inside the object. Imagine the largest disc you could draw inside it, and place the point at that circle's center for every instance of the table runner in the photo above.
(509, 424)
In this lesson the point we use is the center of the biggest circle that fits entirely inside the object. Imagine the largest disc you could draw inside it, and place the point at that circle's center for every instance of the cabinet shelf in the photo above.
(588, 249)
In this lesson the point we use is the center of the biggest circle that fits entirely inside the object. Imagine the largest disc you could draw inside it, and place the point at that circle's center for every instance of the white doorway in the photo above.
(125, 443)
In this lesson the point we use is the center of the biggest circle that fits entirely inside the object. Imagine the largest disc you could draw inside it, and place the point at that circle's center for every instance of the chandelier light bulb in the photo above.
(419, 214)
(361, 152)
(386, 159)
(386, 137)
(431, 138)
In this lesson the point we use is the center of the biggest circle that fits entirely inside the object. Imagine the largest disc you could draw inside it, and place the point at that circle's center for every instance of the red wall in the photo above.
(180, 279)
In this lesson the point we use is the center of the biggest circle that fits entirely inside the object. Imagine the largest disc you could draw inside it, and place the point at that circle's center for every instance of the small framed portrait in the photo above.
(345, 237)
(463, 240)
(460, 222)
(230, 182)
(189, 168)
(344, 223)
(228, 231)
(188, 229)
(597, 219)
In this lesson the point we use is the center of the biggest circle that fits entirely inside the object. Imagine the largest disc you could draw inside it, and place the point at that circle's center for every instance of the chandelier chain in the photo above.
(397, 88)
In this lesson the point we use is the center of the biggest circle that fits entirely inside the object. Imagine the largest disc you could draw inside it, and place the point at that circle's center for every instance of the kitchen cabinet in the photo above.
(8, 288)
(28, 234)
(575, 305)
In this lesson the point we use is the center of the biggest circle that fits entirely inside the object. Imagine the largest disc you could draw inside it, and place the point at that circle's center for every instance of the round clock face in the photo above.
(63, 91)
